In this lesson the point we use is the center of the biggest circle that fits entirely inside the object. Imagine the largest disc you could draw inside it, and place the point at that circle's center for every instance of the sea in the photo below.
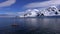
(13, 25)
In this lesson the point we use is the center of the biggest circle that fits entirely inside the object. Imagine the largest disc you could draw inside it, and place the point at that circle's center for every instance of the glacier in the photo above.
(50, 11)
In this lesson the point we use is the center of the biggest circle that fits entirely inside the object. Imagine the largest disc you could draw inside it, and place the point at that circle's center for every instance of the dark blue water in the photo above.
(29, 25)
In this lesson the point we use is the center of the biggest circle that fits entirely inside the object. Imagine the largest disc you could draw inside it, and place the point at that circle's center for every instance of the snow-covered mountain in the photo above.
(50, 11)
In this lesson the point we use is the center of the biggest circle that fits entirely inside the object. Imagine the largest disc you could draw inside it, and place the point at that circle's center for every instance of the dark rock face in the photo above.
(42, 14)
(59, 10)
(38, 15)
(56, 13)
(25, 14)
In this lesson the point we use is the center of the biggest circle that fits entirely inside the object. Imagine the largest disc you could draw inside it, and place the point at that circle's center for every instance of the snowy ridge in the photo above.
(50, 11)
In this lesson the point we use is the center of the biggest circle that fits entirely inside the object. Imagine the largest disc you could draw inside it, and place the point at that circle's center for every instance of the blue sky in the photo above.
(17, 6)
(20, 5)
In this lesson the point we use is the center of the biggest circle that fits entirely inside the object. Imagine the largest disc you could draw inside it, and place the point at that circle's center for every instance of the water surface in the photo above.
(29, 25)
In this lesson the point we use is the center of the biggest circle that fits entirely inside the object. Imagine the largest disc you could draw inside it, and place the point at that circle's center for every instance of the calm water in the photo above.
(29, 25)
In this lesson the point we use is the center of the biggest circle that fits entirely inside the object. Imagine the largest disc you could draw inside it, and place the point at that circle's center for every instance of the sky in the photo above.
(13, 6)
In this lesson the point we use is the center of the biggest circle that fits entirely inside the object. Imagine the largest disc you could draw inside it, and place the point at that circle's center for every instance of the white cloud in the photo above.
(7, 3)
(43, 4)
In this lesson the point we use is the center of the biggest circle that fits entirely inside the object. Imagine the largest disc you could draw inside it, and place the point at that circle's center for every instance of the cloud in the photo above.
(7, 3)
(43, 4)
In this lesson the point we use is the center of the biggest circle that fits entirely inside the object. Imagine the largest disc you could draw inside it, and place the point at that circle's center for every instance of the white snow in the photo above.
(50, 11)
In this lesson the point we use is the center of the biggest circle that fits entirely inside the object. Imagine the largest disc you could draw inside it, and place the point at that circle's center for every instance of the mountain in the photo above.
(50, 11)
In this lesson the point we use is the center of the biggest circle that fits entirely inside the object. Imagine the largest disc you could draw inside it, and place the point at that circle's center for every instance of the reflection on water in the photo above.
(52, 23)
(30, 25)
